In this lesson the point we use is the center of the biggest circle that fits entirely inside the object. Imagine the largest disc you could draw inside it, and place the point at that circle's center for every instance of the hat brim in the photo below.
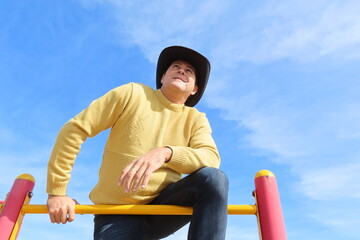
(198, 61)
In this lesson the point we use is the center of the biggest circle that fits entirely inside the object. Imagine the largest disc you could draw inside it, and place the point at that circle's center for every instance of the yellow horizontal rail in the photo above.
(138, 209)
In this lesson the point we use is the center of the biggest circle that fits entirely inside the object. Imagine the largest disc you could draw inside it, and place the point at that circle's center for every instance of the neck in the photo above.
(174, 97)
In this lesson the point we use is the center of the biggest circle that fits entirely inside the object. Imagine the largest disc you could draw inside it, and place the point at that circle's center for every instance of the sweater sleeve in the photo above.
(100, 115)
(201, 152)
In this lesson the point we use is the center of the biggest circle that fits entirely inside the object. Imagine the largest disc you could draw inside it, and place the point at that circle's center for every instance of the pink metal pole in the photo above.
(272, 226)
(10, 211)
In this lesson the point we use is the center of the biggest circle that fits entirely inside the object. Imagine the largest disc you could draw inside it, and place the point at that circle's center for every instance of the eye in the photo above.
(190, 71)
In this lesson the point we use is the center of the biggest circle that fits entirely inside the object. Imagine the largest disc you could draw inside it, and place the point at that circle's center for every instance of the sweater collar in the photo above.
(167, 103)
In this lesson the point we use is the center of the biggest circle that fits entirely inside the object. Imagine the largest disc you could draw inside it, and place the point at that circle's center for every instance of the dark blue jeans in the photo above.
(206, 190)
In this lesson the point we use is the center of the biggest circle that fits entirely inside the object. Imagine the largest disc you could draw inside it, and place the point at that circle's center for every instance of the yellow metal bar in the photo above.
(139, 209)
(242, 209)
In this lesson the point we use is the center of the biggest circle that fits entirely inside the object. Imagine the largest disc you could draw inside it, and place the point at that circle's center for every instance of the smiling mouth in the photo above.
(179, 78)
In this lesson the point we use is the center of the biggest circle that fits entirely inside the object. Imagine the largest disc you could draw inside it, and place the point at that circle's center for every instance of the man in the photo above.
(156, 136)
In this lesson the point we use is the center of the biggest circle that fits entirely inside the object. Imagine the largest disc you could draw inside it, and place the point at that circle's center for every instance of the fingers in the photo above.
(131, 176)
(138, 172)
(61, 209)
(138, 178)
(71, 215)
(52, 216)
(128, 180)
(124, 174)
(59, 216)
(63, 216)
(145, 181)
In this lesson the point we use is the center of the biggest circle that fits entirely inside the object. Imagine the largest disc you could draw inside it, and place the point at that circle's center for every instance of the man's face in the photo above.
(180, 77)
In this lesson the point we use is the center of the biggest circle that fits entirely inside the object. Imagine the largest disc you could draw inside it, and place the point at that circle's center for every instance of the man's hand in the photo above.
(61, 209)
(138, 172)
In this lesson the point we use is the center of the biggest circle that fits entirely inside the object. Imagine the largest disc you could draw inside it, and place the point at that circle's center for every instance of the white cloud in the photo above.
(153, 25)
(234, 32)
(339, 215)
(31, 162)
(334, 183)
(336, 30)
(298, 30)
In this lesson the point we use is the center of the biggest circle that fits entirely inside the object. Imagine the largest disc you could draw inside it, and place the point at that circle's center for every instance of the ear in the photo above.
(194, 90)
(161, 80)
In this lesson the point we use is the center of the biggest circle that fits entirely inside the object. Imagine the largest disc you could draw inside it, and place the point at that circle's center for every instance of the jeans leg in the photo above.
(121, 227)
(207, 191)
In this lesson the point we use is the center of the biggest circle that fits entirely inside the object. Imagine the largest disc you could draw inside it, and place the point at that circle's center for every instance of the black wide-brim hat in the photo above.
(200, 63)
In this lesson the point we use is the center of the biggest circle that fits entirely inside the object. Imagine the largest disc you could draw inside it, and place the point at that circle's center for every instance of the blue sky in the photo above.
(283, 95)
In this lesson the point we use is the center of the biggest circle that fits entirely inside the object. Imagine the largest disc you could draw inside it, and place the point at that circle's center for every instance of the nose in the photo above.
(181, 71)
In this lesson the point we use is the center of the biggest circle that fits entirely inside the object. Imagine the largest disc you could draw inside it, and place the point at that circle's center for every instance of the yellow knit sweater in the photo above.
(140, 119)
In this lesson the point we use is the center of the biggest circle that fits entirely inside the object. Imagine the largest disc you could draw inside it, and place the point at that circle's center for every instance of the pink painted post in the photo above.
(272, 226)
(10, 211)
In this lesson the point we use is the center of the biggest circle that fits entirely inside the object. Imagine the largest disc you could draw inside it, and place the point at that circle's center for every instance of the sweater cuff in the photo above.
(57, 189)
(179, 157)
